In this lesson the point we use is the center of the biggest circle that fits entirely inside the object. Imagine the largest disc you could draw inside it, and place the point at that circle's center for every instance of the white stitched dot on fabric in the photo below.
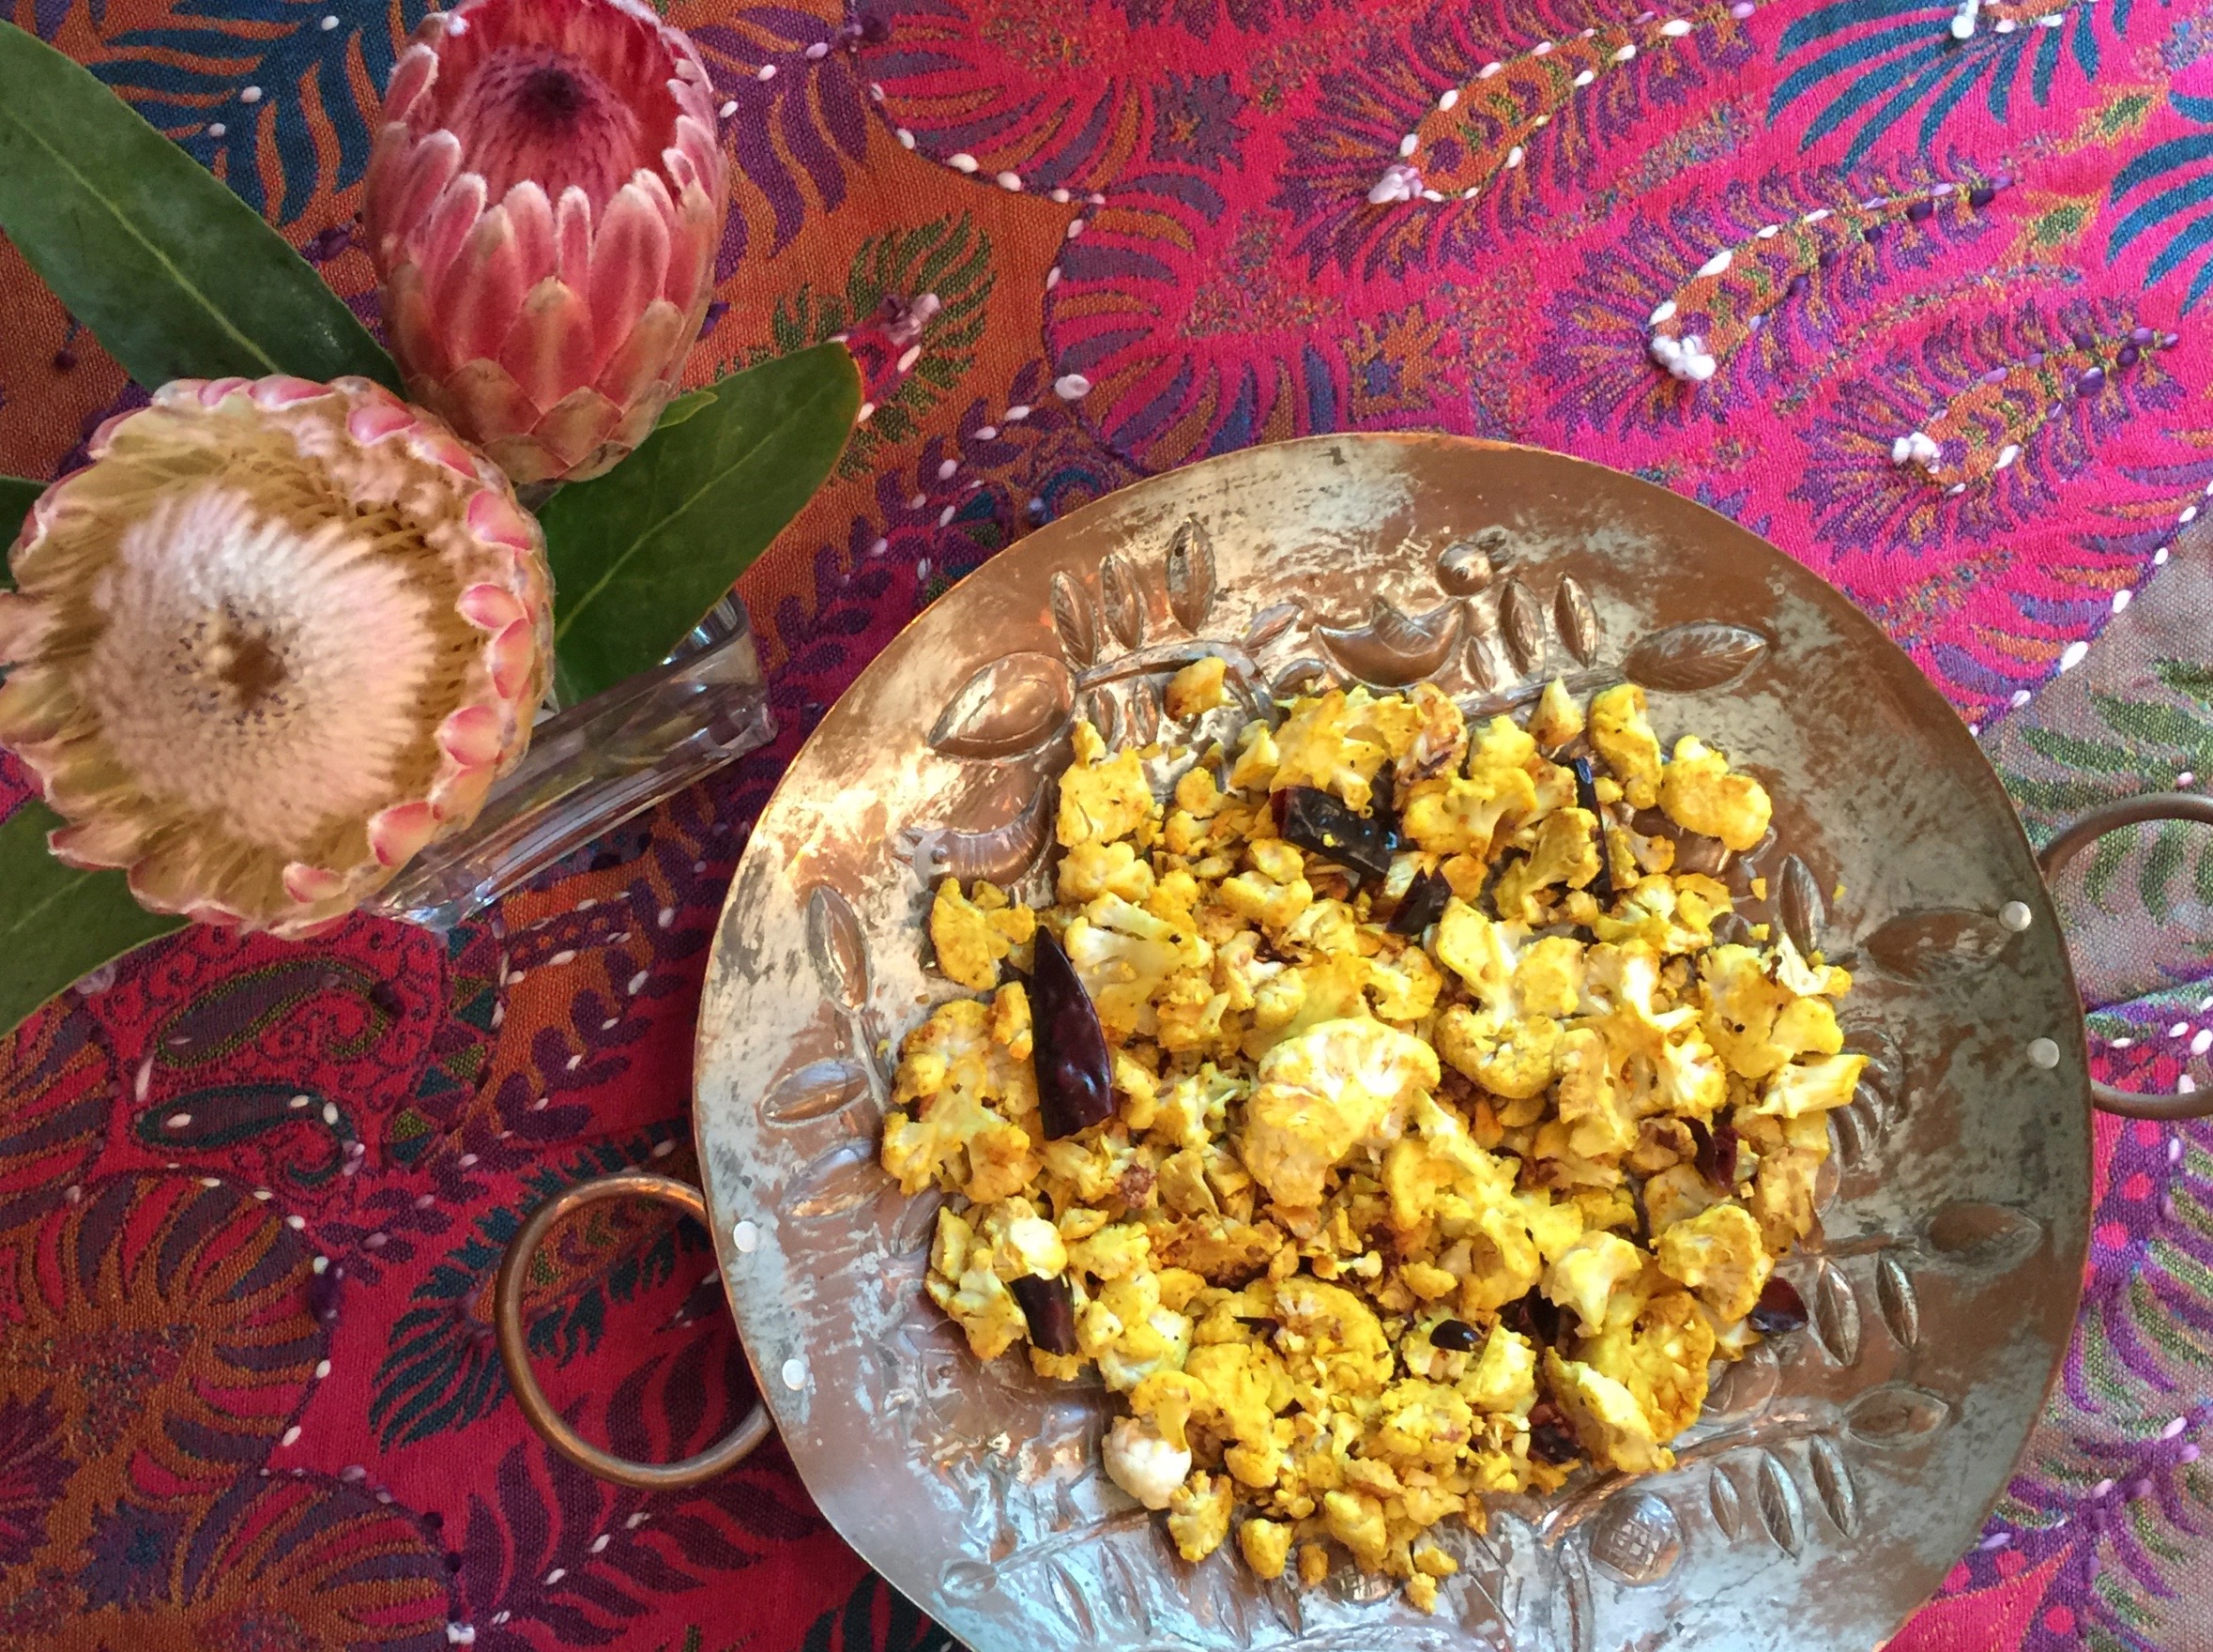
(2043, 1052)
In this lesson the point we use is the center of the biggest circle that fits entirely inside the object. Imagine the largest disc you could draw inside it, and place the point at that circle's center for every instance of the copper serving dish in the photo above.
(1838, 1472)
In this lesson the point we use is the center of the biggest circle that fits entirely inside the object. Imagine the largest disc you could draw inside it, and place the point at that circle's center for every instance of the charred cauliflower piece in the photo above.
(1102, 798)
(1320, 1094)
(1719, 1254)
(971, 933)
(1625, 739)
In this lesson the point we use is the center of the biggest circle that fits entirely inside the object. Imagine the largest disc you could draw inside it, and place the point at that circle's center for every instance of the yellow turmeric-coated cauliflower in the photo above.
(1197, 689)
(1719, 1254)
(1622, 735)
(1102, 798)
(1660, 1357)
(1123, 954)
(971, 934)
(1699, 792)
(1557, 719)
(1564, 853)
(1320, 1094)
(1609, 1423)
(957, 1100)
(1341, 1154)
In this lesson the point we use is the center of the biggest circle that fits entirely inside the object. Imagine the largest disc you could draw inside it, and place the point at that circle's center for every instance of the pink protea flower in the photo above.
(544, 207)
(276, 637)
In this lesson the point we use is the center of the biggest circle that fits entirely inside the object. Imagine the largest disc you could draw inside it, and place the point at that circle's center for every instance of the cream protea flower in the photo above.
(275, 639)
(544, 207)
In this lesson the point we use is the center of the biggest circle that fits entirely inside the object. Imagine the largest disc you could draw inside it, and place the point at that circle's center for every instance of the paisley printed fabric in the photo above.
(1918, 289)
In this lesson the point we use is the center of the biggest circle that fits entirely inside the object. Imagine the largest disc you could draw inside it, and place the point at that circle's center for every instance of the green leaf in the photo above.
(2080, 754)
(2161, 864)
(58, 925)
(2105, 865)
(2149, 721)
(177, 276)
(683, 407)
(640, 554)
(18, 494)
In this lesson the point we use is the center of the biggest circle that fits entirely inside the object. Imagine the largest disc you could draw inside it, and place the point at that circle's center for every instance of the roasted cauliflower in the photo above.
(1416, 1162)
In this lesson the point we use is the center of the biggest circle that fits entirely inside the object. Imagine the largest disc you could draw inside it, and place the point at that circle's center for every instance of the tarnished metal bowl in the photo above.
(1836, 1473)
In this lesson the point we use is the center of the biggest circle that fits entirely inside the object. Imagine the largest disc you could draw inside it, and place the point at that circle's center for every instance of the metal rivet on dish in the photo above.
(2043, 1052)
(746, 1237)
(2016, 916)
(795, 1373)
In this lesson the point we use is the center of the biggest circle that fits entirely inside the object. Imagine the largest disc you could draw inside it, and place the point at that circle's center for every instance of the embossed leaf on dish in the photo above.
(1123, 599)
(1833, 1312)
(1900, 1303)
(1981, 1235)
(1934, 945)
(1575, 619)
(1071, 617)
(1191, 575)
(1131, 1594)
(836, 947)
(968, 1580)
(1637, 1538)
(1395, 649)
(1068, 1592)
(1832, 1480)
(1522, 621)
(1848, 1130)
(1745, 1386)
(1013, 705)
(1799, 901)
(916, 1224)
(840, 1181)
(814, 1090)
(1103, 711)
(1305, 675)
(1267, 625)
(1897, 1415)
(1482, 661)
(1684, 659)
(1144, 711)
(1726, 1501)
(999, 854)
(1782, 1511)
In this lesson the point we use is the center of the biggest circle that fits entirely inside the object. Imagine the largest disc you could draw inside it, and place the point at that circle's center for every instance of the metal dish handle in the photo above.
(506, 1312)
(2158, 806)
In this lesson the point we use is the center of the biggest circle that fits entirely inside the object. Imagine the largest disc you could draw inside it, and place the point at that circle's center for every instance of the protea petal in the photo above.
(243, 662)
(533, 138)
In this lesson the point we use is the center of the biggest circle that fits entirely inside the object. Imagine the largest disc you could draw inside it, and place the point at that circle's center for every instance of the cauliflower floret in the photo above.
(1265, 1545)
(1548, 977)
(1592, 1103)
(1197, 689)
(971, 933)
(1323, 1093)
(1338, 741)
(1091, 869)
(1451, 815)
(964, 1283)
(1404, 985)
(1565, 853)
(1589, 1278)
(1331, 987)
(1503, 1378)
(1754, 1023)
(1245, 1384)
(1609, 1423)
(1441, 740)
(1672, 915)
(1142, 1463)
(1128, 1330)
(1267, 988)
(963, 1082)
(1660, 1358)
(1482, 953)
(1699, 792)
(1675, 1195)
(1808, 1087)
(1275, 894)
(1102, 798)
(1122, 953)
(1557, 718)
(1515, 1058)
(1719, 1254)
(1782, 1194)
(1625, 739)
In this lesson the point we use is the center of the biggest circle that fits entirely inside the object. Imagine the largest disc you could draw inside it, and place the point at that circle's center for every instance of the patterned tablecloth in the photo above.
(252, 1195)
